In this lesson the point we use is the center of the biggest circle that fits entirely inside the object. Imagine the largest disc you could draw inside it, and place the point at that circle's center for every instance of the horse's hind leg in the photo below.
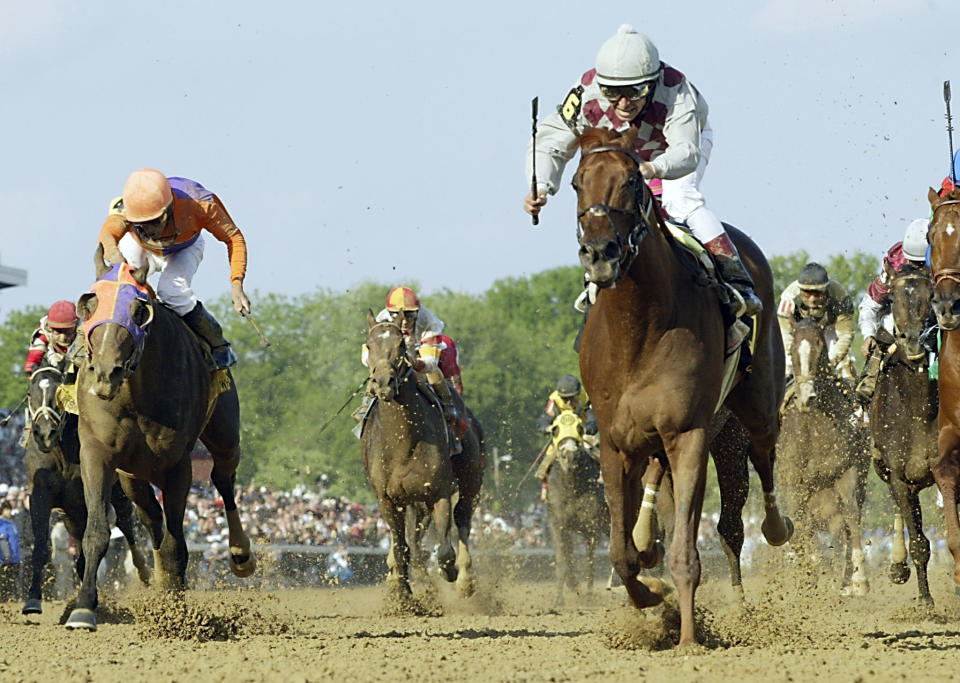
(124, 509)
(97, 482)
(947, 475)
(729, 451)
(849, 490)
(221, 436)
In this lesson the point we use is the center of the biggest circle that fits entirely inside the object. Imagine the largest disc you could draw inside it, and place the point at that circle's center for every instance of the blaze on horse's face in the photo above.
(46, 418)
(386, 357)
(607, 183)
(113, 350)
(910, 295)
(944, 238)
(809, 354)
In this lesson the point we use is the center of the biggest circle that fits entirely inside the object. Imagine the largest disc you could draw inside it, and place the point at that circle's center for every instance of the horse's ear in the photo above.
(630, 137)
(933, 198)
(99, 264)
(371, 319)
(140, 274)
(86, 305)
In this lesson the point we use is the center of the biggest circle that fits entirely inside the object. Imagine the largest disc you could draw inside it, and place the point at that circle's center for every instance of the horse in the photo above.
(145, 393)
(406, 455)
(823, 461)
(53, 477)
(944, 238)
(575, 501)
(652, 360)
(903, 422)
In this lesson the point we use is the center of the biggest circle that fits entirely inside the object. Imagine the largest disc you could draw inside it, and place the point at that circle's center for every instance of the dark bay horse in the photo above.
(406, 455)
(944, 238)
(652, 358)
(575, 503)
(823, 458)
(903, 421)
(145, 394)
(53, 476)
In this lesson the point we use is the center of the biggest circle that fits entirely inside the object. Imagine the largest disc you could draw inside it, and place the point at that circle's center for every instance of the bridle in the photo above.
(401, 368)
(945, 273)
(45, 410)
(638, 213)
(899, 281)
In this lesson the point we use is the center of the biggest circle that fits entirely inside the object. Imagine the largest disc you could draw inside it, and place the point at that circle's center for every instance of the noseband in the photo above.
(46, 410)
(637, 213)
(945, 273)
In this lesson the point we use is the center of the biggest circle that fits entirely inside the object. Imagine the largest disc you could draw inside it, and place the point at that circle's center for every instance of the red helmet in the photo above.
(402, 299)
(62, 314)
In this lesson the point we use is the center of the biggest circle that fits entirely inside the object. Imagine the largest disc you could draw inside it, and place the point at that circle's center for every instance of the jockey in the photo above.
(159, 221)
(433, 354)
(569, 395)
(53, 337)
(630, 86)
(814, 295)
(875, 304)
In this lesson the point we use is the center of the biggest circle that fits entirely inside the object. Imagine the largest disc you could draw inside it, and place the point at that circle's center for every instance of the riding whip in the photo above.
(4, 421)
(946, 100)
(264, 342)
(533, 181)
(346, 403)
(535, 460)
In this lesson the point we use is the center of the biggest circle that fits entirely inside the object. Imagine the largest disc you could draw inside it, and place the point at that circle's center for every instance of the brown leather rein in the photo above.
(945, 273)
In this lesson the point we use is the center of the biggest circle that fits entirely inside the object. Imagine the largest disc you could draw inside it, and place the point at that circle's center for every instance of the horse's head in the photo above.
(809, 355)
(911, 291)
(386, 357)
(567, 433)
(613, 204)
(115, 313)
(46, 417)
(944, 238)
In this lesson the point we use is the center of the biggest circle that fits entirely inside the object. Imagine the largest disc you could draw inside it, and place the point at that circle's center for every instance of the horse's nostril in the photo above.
(612, 250)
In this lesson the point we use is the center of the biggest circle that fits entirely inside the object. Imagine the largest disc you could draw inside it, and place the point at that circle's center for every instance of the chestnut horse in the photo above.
(145, 394)
(652, 361)
(406, 455)
(944, 238)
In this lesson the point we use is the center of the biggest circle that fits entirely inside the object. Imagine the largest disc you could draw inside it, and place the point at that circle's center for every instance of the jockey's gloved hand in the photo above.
(590, 423)
(544, 423)
(419, 365)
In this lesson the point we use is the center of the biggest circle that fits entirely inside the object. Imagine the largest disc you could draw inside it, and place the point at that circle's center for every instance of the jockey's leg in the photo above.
(868, 378)
(439, 384)
(175, 290)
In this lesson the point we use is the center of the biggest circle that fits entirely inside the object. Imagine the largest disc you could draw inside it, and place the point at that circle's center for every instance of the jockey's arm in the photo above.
(114, 228)
(684, 121)
(869, 320)
(785, 313)
(845, 332)
(556, 145)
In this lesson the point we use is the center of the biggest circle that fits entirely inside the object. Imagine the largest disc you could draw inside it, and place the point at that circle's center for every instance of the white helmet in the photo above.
(627, 59)
(915, 240)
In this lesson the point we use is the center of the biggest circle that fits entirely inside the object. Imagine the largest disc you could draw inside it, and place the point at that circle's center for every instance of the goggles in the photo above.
(152, 229)
(630, 92)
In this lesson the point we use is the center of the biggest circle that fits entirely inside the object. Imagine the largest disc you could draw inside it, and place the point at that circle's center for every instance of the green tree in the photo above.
(14, 342)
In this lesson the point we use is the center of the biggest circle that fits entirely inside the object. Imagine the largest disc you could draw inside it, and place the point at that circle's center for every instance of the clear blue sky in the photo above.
(385, 141)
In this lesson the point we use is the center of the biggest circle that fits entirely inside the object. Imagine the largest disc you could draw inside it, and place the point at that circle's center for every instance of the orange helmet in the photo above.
(62, 314)
(402, 299)
(146, 195)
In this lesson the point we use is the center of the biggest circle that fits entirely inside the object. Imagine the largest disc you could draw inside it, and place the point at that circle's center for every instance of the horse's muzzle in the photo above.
(106, 383)
(601, 262)
(806, 392)
(947, 309)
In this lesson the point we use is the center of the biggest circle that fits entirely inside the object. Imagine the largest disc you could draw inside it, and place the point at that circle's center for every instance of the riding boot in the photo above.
(202, 322)
(735, 274)
(543, 469)
(442, 389)
(868, 379)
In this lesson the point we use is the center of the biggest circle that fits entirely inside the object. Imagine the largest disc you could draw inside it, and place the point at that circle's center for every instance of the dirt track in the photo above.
(505, 632)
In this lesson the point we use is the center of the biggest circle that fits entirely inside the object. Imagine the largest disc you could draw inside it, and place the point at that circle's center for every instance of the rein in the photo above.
(638, 212)
(45, 410)
(945, 273)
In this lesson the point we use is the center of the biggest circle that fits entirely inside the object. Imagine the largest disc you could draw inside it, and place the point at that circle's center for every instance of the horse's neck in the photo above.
(655, 278)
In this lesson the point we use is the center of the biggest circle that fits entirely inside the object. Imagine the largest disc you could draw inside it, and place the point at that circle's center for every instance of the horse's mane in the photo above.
(598, 137)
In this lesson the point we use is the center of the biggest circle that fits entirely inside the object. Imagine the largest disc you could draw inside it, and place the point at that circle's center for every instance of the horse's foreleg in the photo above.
(97, 482)
(173, 550)
(399, 550)
(591, 559)
(462, 518)
(733, 480)
(446, 555)
(645, 530)
(688, 462)
(947, 474)
(909, 505)
(124, 509)
(849, 490)
(243, 561)
(776, 528)
(40, 506)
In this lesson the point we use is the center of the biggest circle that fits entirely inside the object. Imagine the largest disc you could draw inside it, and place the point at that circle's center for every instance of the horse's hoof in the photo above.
(777, 534)
(449, 572)
(653, 557)
(32, 606)
(243, 565)
(900, 573)
(81, 618)
(658, 588)
(144, 577)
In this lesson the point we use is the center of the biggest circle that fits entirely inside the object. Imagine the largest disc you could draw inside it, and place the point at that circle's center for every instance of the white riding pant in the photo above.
(176, 271)
(682, 198)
